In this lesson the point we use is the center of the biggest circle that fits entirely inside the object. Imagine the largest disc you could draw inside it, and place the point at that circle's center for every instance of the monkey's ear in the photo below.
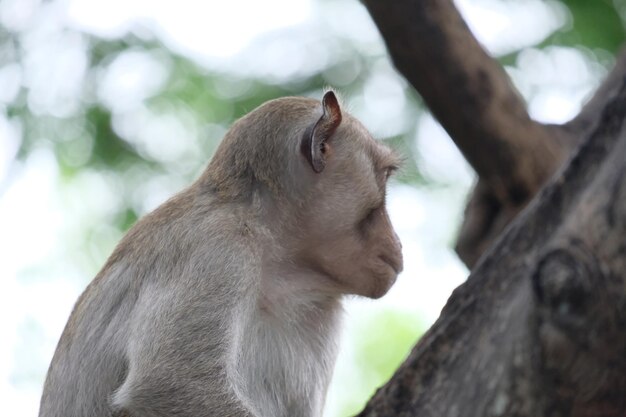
(314, 145)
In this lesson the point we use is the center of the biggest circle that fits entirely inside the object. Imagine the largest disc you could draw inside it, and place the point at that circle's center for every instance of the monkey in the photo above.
(226, 300)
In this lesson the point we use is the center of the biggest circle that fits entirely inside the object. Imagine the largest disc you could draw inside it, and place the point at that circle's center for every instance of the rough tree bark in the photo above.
(539, 328)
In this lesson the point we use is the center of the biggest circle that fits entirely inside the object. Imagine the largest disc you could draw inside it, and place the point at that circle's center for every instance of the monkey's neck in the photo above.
(288, 348)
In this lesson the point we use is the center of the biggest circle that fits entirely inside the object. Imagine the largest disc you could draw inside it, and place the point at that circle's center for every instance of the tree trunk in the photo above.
(539, 328)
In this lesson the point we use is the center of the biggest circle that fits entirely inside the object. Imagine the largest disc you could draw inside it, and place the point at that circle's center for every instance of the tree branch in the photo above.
(539, 328)
(470, 94)
(474, 100)
(486, 215)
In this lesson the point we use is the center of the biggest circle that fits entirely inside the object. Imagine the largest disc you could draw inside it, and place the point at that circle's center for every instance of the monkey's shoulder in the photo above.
(184, 224)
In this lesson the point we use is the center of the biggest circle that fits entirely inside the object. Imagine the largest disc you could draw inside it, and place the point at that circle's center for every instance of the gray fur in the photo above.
(220, 302)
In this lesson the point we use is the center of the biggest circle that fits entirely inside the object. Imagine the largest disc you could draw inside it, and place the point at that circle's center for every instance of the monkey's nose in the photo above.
(397, 240)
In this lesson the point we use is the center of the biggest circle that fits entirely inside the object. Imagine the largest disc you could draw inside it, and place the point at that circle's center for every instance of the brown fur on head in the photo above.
(258, 149)
(326, 177)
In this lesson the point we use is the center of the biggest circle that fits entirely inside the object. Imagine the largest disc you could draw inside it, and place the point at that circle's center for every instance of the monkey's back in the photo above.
(91, 361)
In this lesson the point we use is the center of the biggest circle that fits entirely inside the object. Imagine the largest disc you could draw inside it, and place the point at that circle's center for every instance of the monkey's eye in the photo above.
(367, 219)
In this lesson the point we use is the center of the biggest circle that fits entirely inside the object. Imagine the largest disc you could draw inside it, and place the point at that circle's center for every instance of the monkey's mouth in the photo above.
(393, 263)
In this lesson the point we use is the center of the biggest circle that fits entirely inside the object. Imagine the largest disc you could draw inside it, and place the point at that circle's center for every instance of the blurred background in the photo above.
(108, 107)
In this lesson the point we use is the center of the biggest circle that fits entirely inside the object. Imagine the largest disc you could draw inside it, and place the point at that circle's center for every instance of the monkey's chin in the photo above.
(381, 285)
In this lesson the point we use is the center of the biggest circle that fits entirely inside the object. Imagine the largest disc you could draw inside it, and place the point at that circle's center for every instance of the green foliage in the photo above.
(596, 24)
(592, 25)
(109, 151)
(383, 341)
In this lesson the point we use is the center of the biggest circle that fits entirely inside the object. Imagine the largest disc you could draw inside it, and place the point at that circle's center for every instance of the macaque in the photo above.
(226, 300)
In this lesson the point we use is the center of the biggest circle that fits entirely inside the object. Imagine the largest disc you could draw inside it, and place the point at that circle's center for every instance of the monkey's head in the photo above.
(326, 178)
